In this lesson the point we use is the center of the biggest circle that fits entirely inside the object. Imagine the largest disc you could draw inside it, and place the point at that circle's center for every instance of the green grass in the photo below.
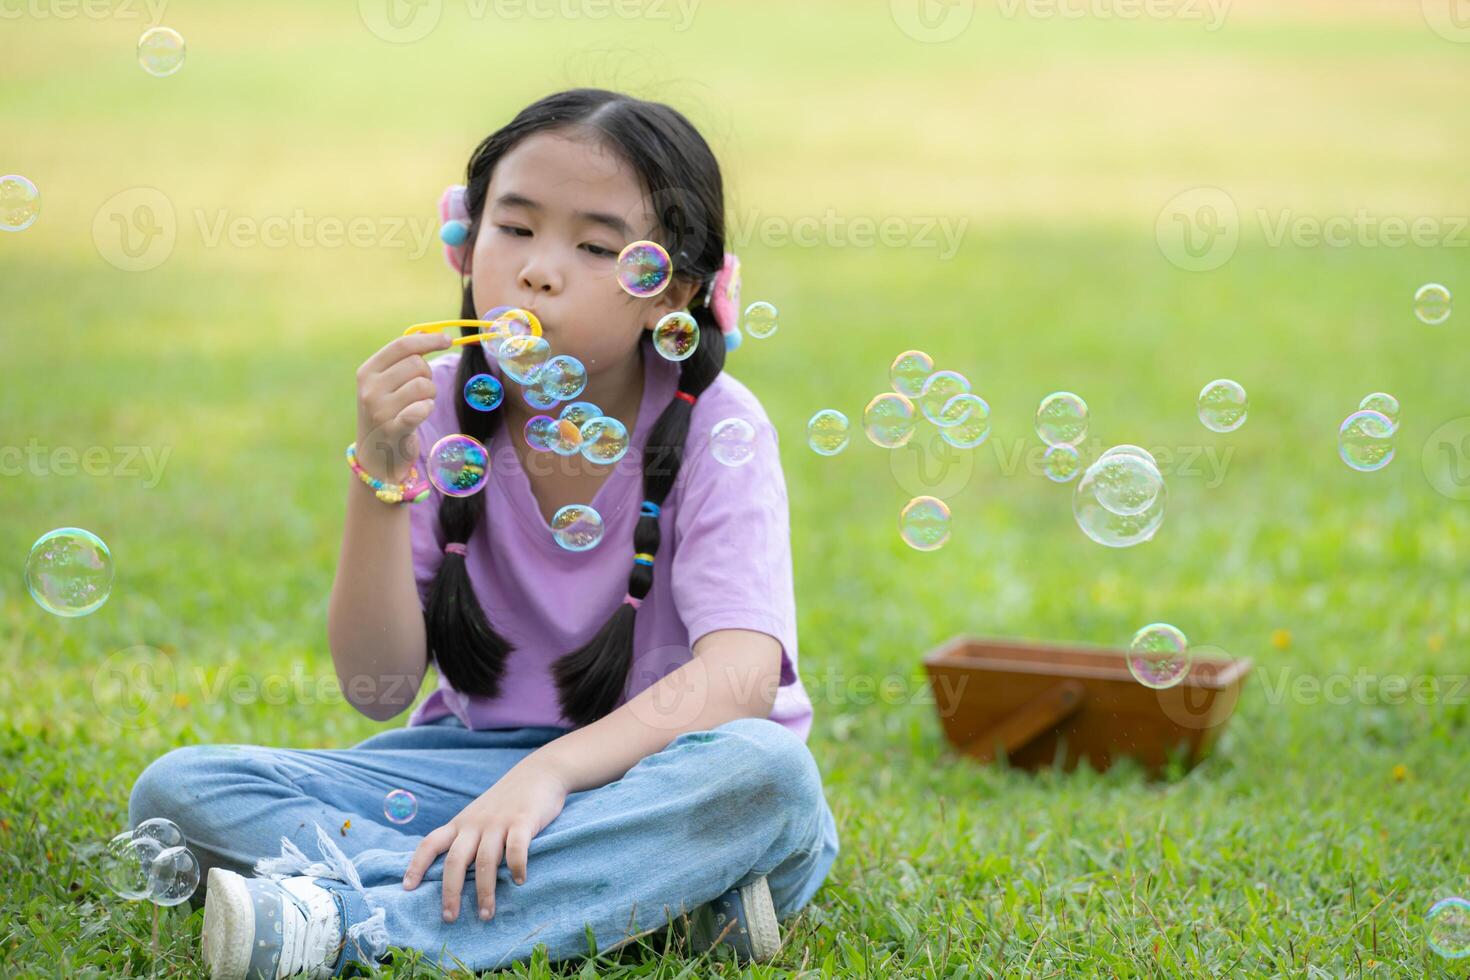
(1294, 850)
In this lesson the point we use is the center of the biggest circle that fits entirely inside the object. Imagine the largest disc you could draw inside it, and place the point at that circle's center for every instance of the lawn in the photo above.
(1323, 827)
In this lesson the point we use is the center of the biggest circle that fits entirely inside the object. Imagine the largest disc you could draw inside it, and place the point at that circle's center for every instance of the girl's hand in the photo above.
(395, 393)
(501, 821)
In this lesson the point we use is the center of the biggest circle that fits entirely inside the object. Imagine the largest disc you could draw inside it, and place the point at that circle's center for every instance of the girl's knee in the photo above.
(170, 783)
(776, 760)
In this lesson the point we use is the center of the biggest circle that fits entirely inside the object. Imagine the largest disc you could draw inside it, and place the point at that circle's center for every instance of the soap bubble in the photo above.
(826, 432)
(1138, 451)
(924, 523)
(1061, 419)
(889, 420)
(1061, 463)
(69, 572)
(161, 51)
(506, 322)
(540, 430)
(760, 319)
(676, 336)
(173, 876)
(538, 397)
(604, 439)
(974, 425)
(125, 864)
(565, 439)
(909, 371)
(1126, 484)
(400, 806)
(1108, 527)
(1223, 405)
(484, 392)
(1448, 924)
(1159, 656)
(939, 388)
(564, 377)
(577, 527)
(579, 412)
(161, 829)
(458, 465)
(732, 441)
(1384, 404)
(1365, 441)
(644, 269)
(523, 357)
(20, 203)
(1432, 304)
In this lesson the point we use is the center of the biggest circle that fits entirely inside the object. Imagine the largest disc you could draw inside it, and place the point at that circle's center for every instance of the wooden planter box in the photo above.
(1043, 704)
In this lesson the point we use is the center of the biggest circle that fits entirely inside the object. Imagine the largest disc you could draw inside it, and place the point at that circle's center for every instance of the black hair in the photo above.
(682, 179)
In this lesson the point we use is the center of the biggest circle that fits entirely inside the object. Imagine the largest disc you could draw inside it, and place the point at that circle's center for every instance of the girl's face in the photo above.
(558, 211)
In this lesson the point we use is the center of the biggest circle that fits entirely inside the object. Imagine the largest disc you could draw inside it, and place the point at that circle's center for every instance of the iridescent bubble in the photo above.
(1127, 485)
(909, 371)
(161, 829)
(1127, 448)
(760, 319)
(1365, 441)
(1061, 419)
(125, 863)
(1223, 405)
(69, 572)
(173, 876)
(1432, 304)
(1448, 926)
(924, 523)
(563, 376)
(1384, 404)
(827, 432)
(161, 51)
(20, 203)
(1159, 656)
(1105, 526)
(580, 412)
(577, 527)
(939, 388)
(644, 269)
(506, 322)
(1061, 464)
(889, 420)
(604, 439)
(458, 465)
(732, 441)
(400, 806)
(676, 336)
(565, 438)
(540, 430)
(484, 392)
(538, 396)
(523, 357)
(973, 426)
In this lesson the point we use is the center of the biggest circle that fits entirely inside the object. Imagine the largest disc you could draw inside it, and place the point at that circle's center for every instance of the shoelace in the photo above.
(303, 947)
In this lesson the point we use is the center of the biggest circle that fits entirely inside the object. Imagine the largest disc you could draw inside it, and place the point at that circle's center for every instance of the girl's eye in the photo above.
(513, 230)
(598, 250)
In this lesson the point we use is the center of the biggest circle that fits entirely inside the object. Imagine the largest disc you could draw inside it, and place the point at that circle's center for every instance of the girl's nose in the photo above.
(540, 277)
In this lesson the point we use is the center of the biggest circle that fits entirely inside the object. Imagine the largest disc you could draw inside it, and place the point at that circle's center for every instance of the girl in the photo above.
(617, 740)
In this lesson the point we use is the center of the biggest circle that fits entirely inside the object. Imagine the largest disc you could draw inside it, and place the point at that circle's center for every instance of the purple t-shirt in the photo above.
(724, 558)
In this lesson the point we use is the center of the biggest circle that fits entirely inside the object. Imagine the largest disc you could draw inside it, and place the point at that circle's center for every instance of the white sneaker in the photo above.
(264, 929)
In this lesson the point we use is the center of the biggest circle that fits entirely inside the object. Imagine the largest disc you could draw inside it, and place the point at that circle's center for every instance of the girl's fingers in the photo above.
(415, 389)
(429, 848)
(517, 844)
(461, 853)
(487, 864)
(400, 347)
(414, 415)
(396, 375)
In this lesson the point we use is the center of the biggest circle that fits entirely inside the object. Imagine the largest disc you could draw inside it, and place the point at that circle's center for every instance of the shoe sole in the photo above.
(760, 921)
(229, 925)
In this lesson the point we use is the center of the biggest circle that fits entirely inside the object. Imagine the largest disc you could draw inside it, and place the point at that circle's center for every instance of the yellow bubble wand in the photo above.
(490, 328)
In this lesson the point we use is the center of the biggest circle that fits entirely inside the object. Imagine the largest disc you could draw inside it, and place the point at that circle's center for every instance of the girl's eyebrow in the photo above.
(511, 199)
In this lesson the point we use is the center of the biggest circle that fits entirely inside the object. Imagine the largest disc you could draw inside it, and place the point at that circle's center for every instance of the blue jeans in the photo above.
(710, 811)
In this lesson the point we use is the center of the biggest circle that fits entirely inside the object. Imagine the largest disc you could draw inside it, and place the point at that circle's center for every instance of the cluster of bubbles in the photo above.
(69, 572)
(1061, 423)
(400, 806)
(161, 51)
(150, 861)
(1159, 656)
(20, 203)
(581, 428)
(1366, 440)
(1432, 304)
(1120, 500)
(1448, 927)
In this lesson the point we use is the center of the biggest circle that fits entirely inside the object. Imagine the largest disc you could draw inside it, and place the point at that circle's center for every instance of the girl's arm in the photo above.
(734, 674)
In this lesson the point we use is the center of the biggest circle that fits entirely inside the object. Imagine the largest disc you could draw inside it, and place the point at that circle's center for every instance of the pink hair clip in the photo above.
(454, 229)
(723, 298)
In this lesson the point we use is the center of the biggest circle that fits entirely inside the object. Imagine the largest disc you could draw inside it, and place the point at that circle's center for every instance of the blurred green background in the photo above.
(1036, 165)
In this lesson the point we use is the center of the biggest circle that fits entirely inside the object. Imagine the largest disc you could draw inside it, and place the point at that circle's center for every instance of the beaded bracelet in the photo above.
(414, 489)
